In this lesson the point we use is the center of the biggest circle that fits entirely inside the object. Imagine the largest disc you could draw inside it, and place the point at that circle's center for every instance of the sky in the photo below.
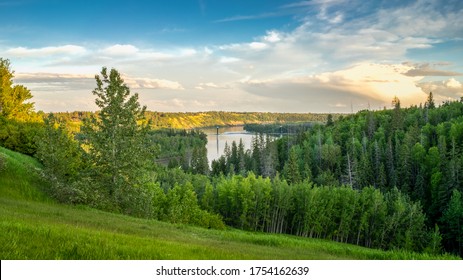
(330, 56)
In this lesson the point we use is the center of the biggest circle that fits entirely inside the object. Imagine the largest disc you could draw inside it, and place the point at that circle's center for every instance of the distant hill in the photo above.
(212, 118)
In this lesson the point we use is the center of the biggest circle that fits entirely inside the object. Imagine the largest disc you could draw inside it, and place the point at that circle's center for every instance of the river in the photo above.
(216, 142)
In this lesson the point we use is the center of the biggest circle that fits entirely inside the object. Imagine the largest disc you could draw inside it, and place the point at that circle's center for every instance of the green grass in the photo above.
(34, 227)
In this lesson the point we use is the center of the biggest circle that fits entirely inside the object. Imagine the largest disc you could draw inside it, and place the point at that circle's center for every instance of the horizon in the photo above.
(318, 56)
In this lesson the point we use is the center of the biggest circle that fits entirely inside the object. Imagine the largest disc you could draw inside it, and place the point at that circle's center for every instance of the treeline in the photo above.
(205, 119)
(181, 148)
(417, 150)
(355, 180)
(366, 217)
(278, 128)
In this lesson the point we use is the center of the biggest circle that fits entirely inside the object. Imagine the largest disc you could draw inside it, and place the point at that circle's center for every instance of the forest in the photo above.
(390, 179)
(194, 120)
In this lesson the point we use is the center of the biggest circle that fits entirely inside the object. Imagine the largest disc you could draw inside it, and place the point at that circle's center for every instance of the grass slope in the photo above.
(34, 227)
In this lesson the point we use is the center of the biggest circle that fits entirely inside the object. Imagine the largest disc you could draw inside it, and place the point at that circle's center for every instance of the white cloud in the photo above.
(120, 50)
(443, 90)
(452, 83)
(226, 59)
(426, 69)
(46, 51)
(210, 85)
(422, 18)
(244, 47)
(41, 77)
(272, 36)
(338, 105)
(365, 82)
(258, 46)
(137, 83)
(188, 52)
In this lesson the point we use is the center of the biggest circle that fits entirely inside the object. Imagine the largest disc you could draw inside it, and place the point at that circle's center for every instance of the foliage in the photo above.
(18, 123)
(111, 167)
(416, 150)
(452, 223)
(389, 179)
(181, 148)
(2, 163)
(116, 142)
(12, 98)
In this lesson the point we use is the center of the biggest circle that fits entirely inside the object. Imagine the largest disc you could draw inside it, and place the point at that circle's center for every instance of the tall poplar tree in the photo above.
(116, 140)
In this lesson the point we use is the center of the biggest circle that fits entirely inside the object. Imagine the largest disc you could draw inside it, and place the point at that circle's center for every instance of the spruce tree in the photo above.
(430, 101)
(452, 224)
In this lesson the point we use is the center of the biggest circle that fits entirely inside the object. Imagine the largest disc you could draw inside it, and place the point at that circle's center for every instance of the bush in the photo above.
(182, 207)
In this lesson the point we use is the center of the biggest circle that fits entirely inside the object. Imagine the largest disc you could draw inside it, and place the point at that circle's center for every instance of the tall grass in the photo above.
(20, 177)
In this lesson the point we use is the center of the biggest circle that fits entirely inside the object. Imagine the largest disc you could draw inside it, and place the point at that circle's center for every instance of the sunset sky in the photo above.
(239, 55)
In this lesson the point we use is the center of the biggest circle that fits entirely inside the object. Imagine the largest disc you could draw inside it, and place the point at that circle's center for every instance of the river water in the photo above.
(216, 142)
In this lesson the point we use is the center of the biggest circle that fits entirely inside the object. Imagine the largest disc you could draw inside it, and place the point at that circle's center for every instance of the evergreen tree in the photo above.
(430, 101)
(199, 163)
(452, 224)
(291, 170)
(397, 118)
(329, 120)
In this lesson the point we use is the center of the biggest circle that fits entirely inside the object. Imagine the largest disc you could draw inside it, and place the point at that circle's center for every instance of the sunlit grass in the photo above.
(20, 178)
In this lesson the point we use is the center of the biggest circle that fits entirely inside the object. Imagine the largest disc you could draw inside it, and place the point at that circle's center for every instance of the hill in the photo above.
(189, 120)
(35, 227)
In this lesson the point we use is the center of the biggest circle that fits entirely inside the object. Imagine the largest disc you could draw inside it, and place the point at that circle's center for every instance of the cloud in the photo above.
(272, 36)
(43, 77)
(68, 92)
(425, 69)
(245, 47)
(338, 105)
(248, 17)
(55, 82)
(258, 46)
(211, 85)
(450, 89)
(422, 19)
(120, 50)
(359, 83)
(147, 83)
(226, 59)
(68, 82)
(46, 51)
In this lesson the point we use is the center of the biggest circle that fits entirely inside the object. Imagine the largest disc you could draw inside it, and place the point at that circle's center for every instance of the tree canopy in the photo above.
(13, 97)
(116, 139)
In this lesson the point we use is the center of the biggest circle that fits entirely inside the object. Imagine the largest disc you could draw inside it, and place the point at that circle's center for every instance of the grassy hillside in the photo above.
(34, 227)
(20, 177)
